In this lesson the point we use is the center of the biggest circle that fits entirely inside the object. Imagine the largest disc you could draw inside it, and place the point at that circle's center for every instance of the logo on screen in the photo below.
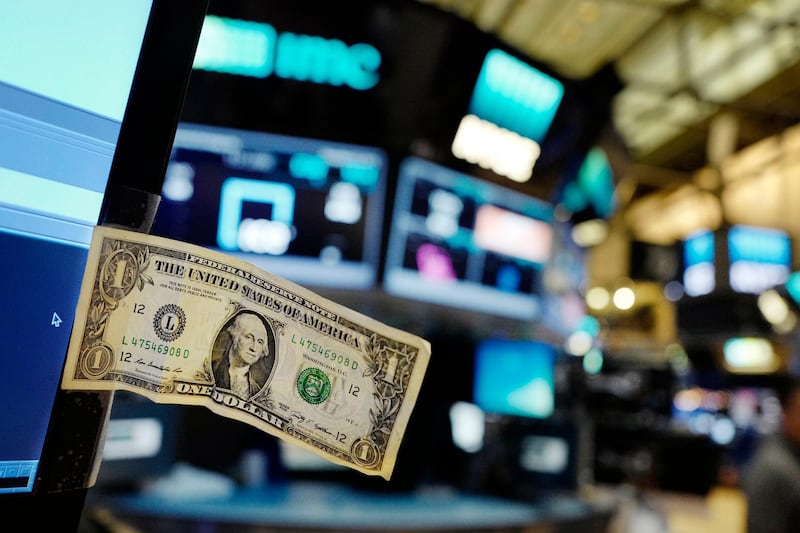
(246, 48)
(258, 235)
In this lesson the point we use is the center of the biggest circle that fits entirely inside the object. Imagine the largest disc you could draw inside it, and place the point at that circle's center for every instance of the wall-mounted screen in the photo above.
(460, 241)
(515, 377)
(760, 258)
(698, 263)
(308, 210)
(754, 259)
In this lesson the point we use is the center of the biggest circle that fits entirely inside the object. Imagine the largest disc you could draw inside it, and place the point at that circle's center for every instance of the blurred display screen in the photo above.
(296, 460)
(515, 377)
(699, 264)
(750, 355)
(757, 258)
(726, 415)
(515, 95)
(459, 241)
(140, 441)
(760, 258)
(308, 210)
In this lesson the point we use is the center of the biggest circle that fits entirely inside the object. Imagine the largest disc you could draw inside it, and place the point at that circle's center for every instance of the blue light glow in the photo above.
(236, 191)
(236, 47)
(515, 377)
(698, 248)
(760, 245)
(596, 181)
(310, 167)
(247, 48)
(515, 96)
(365, 176)
(793, 286)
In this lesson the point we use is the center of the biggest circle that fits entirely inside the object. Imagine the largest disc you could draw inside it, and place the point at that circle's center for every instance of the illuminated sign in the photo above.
(760, 258)
(515, 96)
(510, 112)
(255, 235)
(698, 256)
(757, 259)
(485, 144)
(256, 49)
(758, 245)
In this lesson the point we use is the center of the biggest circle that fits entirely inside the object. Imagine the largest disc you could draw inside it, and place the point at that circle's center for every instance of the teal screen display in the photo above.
(516, 96)
(515, 377)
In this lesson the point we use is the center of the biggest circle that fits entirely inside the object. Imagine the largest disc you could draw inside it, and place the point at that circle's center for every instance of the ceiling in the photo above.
(701, 78)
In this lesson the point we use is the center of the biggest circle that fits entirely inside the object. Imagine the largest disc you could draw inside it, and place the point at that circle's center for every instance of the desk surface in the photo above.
(330, 507)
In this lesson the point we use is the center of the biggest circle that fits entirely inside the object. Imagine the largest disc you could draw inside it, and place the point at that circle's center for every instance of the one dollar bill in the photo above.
(182, 324)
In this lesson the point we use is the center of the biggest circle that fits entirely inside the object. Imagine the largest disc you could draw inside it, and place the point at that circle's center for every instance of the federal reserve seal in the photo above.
(169, 322)
(313, 385)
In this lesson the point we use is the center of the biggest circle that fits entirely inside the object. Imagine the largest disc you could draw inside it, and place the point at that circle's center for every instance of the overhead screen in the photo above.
(461, 241)
(305, 209)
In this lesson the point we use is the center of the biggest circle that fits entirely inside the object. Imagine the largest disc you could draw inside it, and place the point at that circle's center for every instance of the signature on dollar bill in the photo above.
(181, 324)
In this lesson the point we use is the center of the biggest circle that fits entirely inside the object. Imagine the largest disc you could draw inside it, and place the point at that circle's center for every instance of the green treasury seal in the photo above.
(313, 385)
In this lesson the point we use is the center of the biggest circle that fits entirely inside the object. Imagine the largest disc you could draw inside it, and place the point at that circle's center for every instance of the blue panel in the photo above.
(37, 334)
(236, 47)
(699, 248)
(515, 96)
(515, 377)
(759, 245)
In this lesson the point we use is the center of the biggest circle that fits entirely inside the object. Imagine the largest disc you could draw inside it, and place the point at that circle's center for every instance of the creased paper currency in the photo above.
(182, 324)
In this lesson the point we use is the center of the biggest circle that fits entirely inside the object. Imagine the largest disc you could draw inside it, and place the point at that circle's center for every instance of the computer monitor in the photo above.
(309, 210)
(744, 259)
(460, 241)
(89, 100)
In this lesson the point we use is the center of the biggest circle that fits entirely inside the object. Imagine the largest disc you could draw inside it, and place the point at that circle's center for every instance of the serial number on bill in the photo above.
(157, 347)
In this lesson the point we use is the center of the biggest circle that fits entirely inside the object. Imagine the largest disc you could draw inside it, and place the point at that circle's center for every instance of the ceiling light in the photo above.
(589, 233)
(597, 298)
(624, 298)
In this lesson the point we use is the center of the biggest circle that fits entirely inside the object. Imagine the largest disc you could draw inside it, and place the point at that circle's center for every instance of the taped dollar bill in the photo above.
(182, 324)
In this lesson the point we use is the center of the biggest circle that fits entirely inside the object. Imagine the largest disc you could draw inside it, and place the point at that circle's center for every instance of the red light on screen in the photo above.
(512, 234)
